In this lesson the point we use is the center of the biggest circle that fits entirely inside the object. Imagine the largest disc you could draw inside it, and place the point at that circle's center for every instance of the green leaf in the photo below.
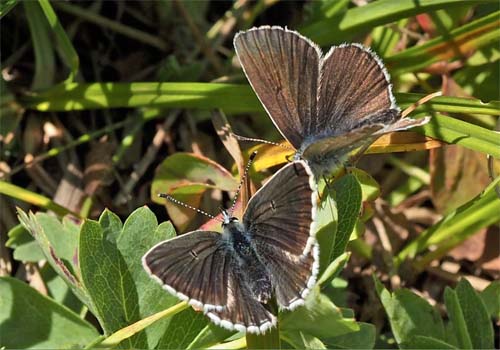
(107, 279)
(24, 245)
(300, 340)
(319, 317)
(491, 298)
(410, 315)
(31, 320)
(140, 232)
(59, 290)
(364, 338)
(326, 227)
(423, 342)
(58, 243)
(370, 189)
(183, 330)
(469, 317)
(334, 268)
(348, 196)
(340, 28)
(111, 268)
(209, 336)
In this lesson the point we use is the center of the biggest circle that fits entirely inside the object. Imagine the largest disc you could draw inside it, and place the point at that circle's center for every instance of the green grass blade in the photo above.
(482, 211)
(67, 51)
(458, 132)
(456, 44)
(33, 198)
(42, 46)
(338, 29)
(229, 97)
(6, 6)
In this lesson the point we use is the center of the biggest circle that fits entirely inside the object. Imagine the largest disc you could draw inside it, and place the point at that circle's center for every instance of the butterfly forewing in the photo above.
(283, 69)
(280, 220)
(193, 266)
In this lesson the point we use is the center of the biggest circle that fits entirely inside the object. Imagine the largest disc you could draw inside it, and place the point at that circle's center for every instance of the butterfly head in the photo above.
(227, 218)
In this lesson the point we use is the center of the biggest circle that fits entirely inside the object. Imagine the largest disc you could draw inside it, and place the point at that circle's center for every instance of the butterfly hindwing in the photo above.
(280, 220)
(242, 312)
(354, 90)
(193, 266)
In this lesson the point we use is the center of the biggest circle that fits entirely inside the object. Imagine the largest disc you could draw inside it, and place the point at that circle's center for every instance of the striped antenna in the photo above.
(251, 139)
(247, 168)
(178, 202)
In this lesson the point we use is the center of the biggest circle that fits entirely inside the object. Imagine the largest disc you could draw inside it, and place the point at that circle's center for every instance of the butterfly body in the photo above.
(272, 252)
(249, 265)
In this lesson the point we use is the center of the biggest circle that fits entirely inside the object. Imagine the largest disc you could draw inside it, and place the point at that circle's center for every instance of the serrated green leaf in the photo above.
(110, 255)
(58, 243)
(140, 232)
(24, 245)
(31, 320)
(59, 290)
(107, 279)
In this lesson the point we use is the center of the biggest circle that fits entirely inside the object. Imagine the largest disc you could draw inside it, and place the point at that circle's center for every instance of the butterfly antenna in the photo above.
(251, 139)
(247, 168)
(420, 102)
(178, 202)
